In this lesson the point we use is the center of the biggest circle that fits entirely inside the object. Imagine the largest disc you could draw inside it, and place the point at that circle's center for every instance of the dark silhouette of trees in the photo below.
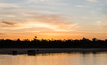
(35, 43)
(94, 39)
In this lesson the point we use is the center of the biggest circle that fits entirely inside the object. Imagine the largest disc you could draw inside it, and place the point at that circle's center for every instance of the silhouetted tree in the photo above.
(94, 39)
(26, 43)
(18, 40)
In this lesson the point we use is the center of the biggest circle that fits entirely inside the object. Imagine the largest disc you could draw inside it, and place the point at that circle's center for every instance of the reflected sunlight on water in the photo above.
(55, 59)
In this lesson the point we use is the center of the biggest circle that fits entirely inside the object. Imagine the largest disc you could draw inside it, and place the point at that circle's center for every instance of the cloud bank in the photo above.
(52, 22)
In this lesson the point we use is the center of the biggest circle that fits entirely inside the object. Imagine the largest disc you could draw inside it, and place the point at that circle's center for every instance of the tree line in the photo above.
(35, 43)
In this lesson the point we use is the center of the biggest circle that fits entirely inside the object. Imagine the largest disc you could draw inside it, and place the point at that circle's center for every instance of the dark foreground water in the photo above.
(74, 58)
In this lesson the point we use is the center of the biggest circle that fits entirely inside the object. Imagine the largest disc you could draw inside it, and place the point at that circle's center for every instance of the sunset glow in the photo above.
(58, 19)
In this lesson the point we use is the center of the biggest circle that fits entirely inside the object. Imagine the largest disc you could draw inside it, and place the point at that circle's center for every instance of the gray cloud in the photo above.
(8, 23)
(2, 34)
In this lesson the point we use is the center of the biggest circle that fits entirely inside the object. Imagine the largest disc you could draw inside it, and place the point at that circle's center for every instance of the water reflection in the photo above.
(73, 58)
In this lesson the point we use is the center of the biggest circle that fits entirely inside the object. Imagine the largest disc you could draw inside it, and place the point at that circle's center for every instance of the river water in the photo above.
(74, 58)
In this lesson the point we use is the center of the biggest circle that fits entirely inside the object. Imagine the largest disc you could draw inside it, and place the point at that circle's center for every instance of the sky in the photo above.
(57, 19)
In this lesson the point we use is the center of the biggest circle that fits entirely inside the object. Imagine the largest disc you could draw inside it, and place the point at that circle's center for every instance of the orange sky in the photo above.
(58, 19)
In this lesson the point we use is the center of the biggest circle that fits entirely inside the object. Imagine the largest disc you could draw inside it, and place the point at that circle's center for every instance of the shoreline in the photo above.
(48, 50)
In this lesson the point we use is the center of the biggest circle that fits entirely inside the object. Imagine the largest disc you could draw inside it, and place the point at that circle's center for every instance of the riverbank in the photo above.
(49, 50)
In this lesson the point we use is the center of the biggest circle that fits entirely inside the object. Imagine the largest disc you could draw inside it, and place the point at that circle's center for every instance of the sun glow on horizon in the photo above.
(58, 19)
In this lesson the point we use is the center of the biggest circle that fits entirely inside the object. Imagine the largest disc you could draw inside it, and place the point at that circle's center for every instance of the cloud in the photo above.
(47, 2)
(92, 12)
(92, 0)
(99, 9)
(2, 34)
(85, 17)
(98, 23)
(81, 6)
(52, 19)
(13, 1)
(51, 27)
(24, 13)
(8, 23)
(49, 22)
(9, 6)
(56, 22)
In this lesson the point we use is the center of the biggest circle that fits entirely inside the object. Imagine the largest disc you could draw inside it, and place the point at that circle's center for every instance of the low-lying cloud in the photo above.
(50, 22)
(2, 34)
(8, 23)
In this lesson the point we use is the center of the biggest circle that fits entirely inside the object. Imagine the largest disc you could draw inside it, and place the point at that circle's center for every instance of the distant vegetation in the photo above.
(35, 43)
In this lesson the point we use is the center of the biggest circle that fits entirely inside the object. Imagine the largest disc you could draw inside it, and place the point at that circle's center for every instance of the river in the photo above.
(74, 58)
